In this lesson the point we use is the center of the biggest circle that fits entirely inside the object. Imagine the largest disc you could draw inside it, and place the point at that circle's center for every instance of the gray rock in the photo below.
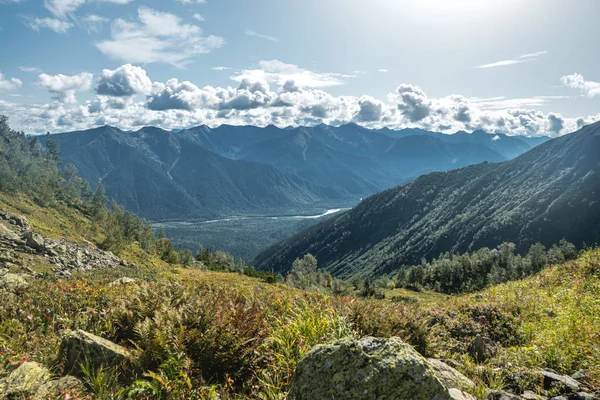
(19, 221)
(24, 381)
(482, 348)
(579, 375)
(457, 394)
(122, 281)
(366, 369)
(13, 282)
(583, 396)
(34, 241)
(79, 347)
(449, 376)
(501, 395)
(529, 395)
(551, 379)
(56, 389)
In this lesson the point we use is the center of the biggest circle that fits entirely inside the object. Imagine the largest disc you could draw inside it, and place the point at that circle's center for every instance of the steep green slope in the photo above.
(161, 175)
(546, 194)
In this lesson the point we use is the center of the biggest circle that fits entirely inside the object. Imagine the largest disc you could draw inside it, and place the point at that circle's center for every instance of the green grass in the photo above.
(209, 335)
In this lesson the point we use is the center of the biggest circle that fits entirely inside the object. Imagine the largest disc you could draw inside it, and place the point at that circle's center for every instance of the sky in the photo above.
(528, 67)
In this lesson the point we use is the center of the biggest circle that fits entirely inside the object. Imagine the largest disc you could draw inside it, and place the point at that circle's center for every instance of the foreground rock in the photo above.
(368, 368)
(449, 376)
(80, 347)
(12, 282)
(59, 388)
(24, 382)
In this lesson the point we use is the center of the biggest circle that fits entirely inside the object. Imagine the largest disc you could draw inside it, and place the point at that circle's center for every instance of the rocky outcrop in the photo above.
(17, 237)
(368, 368)
(79, 347)
(24, 382)
(122, 281)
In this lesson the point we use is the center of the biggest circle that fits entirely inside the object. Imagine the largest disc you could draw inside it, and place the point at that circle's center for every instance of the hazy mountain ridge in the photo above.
(203, 172)
(543, 195)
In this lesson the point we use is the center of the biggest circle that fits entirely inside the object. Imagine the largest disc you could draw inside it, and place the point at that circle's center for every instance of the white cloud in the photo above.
(277, 72)
(54, 24)
(576, 81)
(220, 68)
(382, 70)
(93, 22)
(523, 58)
(126, 97)
(250, 32)
(9, 84)
(157, 37)
(198, 17)
(125, 81)
(34, 70)
(63, 87)
(63, 8)
(192, 1)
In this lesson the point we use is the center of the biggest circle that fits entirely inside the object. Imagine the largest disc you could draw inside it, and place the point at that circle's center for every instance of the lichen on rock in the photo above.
(365, 369)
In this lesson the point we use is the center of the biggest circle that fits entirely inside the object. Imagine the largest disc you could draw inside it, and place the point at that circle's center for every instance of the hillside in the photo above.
(544, 195)
(161, 175)
(204, 173)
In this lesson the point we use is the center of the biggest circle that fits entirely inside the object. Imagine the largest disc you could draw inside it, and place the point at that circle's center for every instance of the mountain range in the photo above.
(546, 194)
(205, 173)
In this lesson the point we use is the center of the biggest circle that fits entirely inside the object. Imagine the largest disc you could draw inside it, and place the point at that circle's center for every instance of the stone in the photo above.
(56, 389)
(79, 347)
(529, 395)
(19, 221)
(500, 395)
(449, 376)
(482, 348)
(579, 375)
(7, 233)
(34, 241)
(366, 369)
(457, 394)
(550, 379)
(13, 282)
(122, 281)
(583, 396)
(24, 381)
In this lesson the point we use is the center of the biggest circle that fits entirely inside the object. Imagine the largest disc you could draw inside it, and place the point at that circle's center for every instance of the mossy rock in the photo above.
(449, 376)
(24, 381)
(83, 348)
(365, 369)
(57, 389)
(12, 282)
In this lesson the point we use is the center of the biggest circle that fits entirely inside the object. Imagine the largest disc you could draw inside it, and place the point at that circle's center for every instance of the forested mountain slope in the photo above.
(162, 175)
(549, 193)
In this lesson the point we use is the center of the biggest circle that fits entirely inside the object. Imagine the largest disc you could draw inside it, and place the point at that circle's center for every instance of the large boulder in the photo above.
(83, 348)
(449, 376)
(564, 383)
(365, 369)
(24, 381)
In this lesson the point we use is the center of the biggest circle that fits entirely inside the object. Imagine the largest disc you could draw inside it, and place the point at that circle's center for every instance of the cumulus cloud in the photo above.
(63, 87)
(278, 73)
(413, 103)
(157, 37)
(9, 84)
(370, 109)
(576, 81)
(126, 97)
(53, 24)
(523, 58)
(127, 80)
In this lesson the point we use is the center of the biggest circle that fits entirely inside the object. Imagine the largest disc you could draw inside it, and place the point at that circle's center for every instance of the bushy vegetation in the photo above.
(456, 273)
